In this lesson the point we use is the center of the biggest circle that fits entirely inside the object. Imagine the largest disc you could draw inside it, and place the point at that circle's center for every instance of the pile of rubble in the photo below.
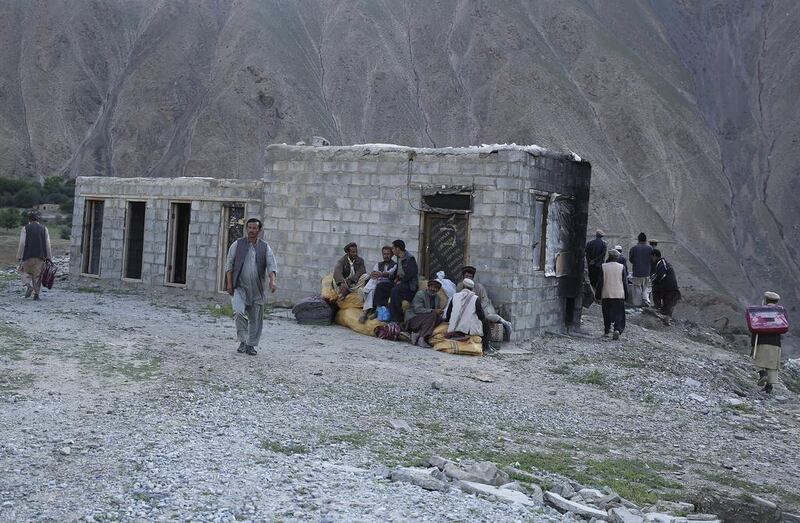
(574, 501)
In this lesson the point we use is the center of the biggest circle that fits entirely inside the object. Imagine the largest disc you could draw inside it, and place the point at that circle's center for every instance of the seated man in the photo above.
(468, 272)
(406, 280)
(379, 286)
(424, 314)
(349, 273)
(466, 316)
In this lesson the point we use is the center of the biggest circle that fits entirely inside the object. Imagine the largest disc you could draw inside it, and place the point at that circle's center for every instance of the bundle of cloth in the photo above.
(313, 310)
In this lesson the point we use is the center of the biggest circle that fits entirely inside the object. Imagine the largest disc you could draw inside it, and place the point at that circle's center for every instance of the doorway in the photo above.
(178, 242)
(444, 244)
(92, 236)
(134, 240)
(232, 230)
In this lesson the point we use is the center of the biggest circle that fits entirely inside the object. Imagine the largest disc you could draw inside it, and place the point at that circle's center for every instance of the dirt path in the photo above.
(125, 407)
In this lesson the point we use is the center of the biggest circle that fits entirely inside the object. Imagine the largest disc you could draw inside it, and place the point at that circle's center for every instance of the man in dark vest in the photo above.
(595, 257)
(406, 280)
(34, 249)
(349, 273)
(249, 261)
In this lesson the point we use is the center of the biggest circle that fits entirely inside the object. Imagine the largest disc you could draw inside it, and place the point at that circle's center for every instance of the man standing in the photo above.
(639, 256)
(612, 292)
(349, 271)
(595, 254)
(34, 249)
(767, 351)
(425, 313)
(406, 280)
(665, 286)
(621, 259)
(379, 286)
(249, 261)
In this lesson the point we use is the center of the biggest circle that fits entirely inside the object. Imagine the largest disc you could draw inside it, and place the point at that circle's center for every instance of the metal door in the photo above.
(444, 244)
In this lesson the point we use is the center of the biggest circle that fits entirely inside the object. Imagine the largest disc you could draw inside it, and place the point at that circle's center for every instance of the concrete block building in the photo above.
(518, 214)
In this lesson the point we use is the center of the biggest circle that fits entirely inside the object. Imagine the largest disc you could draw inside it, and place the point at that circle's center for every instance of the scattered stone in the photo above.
(436, 385)
(65, 451)
(702, 517)
(671, 507)
(485, 378)
(381, 471)
(399, 424)
(589, 495)
(504, 494)
(697, 397)
(480, 472)
(436, 461)
(422, 478)
(566, 505)
(733, 402)
(790, 518)
(657, 517)
(8, 504)
(623, 515)
(691, 382)
(564, 490)
(608, 501)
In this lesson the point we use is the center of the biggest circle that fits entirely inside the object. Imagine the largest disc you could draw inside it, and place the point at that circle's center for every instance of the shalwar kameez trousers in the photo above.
(250, 263)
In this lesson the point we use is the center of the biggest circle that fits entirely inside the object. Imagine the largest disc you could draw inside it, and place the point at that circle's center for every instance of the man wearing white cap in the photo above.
(767, 351)
(465, 314)
(425, 313)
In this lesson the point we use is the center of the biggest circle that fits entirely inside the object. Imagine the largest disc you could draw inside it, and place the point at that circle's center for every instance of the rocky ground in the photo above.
(136, 407)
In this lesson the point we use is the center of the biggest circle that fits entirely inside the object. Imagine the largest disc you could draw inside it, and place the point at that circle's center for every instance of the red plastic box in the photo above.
(767, 319)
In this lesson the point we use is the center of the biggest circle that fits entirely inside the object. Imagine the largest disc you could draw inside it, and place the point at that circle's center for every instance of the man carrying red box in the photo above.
(766, 324)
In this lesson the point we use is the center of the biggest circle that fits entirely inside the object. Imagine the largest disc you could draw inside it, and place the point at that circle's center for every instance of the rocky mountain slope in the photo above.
(685, 109)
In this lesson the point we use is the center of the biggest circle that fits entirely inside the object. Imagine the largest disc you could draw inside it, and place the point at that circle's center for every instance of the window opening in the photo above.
(178, 246)
(134, 240)
(92, 236)
(539, 232)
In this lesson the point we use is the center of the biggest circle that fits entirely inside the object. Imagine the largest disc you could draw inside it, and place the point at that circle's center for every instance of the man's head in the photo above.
(433, 286)
(399, 247)
(351, 249)
(642, 237)
(253, 228)
(468, 283)
(469, 272)
(653, 243)
(599, 233)
(613, 254)
(655, 255)
(771, 298)
(387, 252)
(618, 248)
(33, 216)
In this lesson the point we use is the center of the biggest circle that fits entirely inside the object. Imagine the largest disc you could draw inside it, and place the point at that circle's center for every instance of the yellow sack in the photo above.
(471, 347)
(349, 318)
(354, 300)
(328, 290)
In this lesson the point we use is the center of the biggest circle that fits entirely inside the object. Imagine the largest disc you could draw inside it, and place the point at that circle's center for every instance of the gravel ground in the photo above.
(136, 407)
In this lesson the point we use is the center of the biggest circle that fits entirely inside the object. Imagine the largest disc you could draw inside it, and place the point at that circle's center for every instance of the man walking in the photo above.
(665, 287)
(639, 256)
(767, 350)
(249, 261)
(32, 252)
(406, 280)
(595, 254)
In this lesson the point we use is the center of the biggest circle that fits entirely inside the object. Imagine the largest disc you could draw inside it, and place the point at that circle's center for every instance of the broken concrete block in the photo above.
(658, 517)
(399, 424)
(512, 496)
(566, 505)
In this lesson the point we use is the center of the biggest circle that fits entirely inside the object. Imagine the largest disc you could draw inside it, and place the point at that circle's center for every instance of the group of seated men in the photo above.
(468, 310)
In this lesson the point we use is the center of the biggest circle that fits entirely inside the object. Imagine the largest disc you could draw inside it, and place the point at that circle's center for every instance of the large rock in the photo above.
(567, 505)
(480, 472)
(422, 478)
(513, 496)
(676, 508)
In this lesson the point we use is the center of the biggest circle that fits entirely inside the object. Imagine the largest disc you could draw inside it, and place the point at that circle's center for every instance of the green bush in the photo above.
(64, 232)
(28, 197)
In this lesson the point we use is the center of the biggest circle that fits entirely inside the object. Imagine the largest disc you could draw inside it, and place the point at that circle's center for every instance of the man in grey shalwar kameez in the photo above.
(249, 261)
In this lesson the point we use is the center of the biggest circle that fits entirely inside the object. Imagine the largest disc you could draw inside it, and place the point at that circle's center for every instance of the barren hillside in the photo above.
(685, 109)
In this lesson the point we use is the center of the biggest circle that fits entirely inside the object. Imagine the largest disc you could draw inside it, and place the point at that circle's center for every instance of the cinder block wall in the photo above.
(206, 196)
(319, 199)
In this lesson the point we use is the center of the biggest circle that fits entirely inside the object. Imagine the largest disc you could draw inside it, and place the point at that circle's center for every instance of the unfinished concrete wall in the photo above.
(206, 197)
